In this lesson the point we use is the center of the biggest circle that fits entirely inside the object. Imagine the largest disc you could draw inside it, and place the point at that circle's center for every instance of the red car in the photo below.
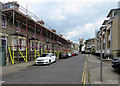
(73, 54)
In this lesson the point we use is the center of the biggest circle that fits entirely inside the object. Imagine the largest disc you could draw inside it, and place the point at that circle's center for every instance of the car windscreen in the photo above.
(45, 55)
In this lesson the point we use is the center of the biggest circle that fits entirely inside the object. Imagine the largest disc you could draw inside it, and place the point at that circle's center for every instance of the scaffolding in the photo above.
(40, 33)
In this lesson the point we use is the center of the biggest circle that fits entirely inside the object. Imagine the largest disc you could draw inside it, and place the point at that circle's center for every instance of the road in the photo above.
(64, 71)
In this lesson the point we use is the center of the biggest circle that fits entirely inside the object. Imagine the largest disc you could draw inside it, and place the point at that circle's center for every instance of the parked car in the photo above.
(63, 56)
(73, 54)
(47, 58)
(69, 54)
(116, 63)
(76, 52)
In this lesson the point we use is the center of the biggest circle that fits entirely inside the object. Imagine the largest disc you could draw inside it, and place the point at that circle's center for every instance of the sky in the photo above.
(73, 19)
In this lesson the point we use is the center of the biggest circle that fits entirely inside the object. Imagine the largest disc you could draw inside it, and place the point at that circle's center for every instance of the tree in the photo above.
(93, 51)
(80, 47)
(118, 53)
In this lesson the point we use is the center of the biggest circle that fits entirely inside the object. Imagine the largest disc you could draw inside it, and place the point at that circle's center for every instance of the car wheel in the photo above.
(55, 60)
(49, 62)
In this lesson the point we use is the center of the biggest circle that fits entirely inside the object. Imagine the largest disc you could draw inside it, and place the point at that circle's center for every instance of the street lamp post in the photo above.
(101, 60)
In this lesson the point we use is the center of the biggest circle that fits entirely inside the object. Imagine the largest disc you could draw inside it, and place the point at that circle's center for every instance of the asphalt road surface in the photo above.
(64, 71)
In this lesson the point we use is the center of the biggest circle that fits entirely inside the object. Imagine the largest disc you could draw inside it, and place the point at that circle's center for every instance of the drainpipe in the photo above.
(101, 60)
(111, 40)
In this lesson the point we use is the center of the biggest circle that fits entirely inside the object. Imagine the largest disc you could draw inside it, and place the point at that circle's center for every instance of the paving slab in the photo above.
(16, 67)
(110, 76)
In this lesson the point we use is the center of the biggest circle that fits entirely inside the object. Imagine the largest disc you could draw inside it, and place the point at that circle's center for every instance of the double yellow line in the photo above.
(84, 72)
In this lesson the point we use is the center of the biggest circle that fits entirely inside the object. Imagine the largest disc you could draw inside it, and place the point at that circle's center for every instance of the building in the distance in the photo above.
(81, 44)
(76, 47)
(81, 41)
(90, 45)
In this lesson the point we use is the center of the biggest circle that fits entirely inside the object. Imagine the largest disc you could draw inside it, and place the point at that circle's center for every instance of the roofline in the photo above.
(89, 39)
(19, 12)
(102, 26)
(12, 2)
(111, 11)
(105, 22)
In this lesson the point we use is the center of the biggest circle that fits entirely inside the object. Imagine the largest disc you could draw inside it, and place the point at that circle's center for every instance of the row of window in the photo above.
(21, 42)
(88, 45)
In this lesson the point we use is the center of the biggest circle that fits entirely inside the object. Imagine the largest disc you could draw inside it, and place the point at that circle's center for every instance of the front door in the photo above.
(4, 42)
(3, 50)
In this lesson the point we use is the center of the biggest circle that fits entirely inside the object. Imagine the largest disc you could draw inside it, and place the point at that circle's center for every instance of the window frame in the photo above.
(22, 44)
(5, 40)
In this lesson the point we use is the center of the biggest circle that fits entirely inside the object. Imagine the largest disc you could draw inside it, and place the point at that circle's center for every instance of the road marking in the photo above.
(85, 79)
(82, 75)
(84, 72)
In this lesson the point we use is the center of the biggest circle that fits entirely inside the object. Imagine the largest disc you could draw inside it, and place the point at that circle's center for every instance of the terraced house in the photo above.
(90, 45)
(24, 36)
(109, 33)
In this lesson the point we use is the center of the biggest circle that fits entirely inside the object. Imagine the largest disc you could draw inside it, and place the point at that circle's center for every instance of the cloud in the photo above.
(63, 9)
(36, 1)
(57, 14)
(86, 31)
(72, 18)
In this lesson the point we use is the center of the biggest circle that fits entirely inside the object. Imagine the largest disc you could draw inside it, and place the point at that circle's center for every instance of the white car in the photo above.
(69, 54)
(47, 58)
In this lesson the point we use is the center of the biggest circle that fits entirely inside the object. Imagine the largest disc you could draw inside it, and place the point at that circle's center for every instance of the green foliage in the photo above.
(118, 53)
(93, 51)
(80, 47)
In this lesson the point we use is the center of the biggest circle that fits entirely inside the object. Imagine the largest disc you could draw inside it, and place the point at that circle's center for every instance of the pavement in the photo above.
(16, 67)
(110, 76)
(0, 75)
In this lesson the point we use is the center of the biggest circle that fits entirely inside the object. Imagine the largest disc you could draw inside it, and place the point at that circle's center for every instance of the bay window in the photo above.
(37, 46)
(22, 44)
(32, 45)
(15, 43)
